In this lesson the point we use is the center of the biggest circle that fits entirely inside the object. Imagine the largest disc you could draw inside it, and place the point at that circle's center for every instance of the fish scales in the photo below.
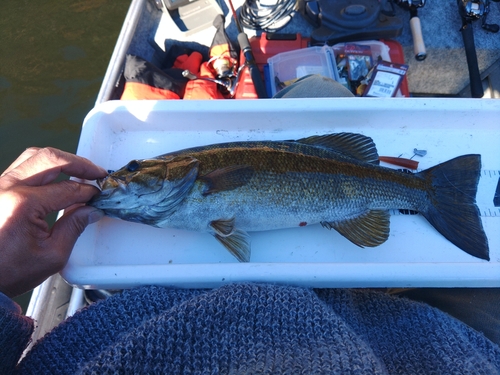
(283, 178)
(232, 188)
(271, 201)
(281, 162)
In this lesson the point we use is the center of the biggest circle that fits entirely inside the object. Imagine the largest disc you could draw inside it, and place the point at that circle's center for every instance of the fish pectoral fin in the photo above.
(367, 230)
(227, 178)
(237, 243)
(355, 145)
(187, 170)
(223, 228)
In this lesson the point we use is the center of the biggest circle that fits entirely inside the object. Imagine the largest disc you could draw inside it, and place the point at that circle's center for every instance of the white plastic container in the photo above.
(118, 254)
(286, 67)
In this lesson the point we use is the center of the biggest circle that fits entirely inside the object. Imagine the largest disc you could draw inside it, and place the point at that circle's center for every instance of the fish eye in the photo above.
(133, 166)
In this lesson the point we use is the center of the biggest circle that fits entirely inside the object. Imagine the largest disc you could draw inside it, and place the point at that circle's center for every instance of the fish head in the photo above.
(146, 190)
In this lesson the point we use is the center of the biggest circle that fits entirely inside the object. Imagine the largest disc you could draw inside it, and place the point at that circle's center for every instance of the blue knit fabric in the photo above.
(260, 329)
(15, 332)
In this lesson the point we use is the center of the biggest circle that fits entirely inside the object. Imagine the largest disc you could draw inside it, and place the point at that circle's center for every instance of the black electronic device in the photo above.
(350, 20)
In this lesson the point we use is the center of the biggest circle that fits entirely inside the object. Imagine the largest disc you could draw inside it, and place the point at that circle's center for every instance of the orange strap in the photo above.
(191, 62)
(138, 91)
(200, 89)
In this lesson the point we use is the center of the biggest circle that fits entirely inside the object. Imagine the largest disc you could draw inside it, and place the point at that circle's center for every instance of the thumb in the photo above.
(70, 226)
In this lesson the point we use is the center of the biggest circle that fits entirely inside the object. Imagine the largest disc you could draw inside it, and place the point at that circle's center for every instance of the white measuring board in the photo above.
(488, 189)
(117, 254)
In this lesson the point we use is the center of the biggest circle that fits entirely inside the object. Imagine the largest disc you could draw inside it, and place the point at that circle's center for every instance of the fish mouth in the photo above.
(100, 181)
(114, 181)
(106, 193)
(111, 186)
(98, 198)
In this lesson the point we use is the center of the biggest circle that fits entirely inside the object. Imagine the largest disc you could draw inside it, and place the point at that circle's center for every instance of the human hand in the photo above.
(31, 251)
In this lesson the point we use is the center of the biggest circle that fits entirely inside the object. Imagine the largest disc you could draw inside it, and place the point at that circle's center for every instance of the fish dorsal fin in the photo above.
(357, 146)
(367, 230)
(236, 241)
(227, 178)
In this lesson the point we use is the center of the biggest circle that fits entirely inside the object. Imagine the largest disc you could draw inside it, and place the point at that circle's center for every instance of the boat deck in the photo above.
(443, 74)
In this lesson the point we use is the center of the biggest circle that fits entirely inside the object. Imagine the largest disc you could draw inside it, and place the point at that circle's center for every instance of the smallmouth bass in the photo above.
(230, 189)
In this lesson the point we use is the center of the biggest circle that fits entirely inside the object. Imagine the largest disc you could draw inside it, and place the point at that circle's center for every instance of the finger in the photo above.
(61, 195)
(45, 165)
(67, 229)
(29, 152)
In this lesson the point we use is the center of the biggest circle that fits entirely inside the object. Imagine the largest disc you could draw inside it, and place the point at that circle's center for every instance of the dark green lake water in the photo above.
(53, 57)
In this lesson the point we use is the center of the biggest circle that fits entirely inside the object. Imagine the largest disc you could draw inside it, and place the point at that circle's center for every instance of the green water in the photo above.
(53, 57)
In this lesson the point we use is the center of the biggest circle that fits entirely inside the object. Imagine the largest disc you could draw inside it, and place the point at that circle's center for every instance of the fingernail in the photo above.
(95, 215)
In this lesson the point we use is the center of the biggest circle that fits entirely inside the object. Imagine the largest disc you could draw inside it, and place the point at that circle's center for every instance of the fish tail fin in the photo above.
(452, 209)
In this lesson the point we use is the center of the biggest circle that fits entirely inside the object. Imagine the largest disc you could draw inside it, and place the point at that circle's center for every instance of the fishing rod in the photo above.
(470, 11)
(244, 43)
(416, 29)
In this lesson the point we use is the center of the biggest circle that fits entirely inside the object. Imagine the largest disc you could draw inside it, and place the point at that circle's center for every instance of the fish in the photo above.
(335, 180)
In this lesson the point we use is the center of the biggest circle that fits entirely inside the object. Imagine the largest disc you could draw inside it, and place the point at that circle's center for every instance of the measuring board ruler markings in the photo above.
(487, 197)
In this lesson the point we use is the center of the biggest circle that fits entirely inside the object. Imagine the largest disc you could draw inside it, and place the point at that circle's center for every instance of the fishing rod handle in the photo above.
(476, 84)
(244, 43)
(260, 88)
(245, 47)
(418, 39)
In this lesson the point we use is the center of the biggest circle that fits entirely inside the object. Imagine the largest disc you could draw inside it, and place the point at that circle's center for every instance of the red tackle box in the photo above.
(269, 45)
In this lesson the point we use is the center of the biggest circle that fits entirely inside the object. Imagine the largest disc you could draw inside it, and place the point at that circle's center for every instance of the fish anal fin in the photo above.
(227, 178)
(367, 230)
(354, 145)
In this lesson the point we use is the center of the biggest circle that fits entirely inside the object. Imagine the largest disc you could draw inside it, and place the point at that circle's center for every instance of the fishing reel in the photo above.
(410, 5)
(226, 72)
(227, 85)
(473, 10)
